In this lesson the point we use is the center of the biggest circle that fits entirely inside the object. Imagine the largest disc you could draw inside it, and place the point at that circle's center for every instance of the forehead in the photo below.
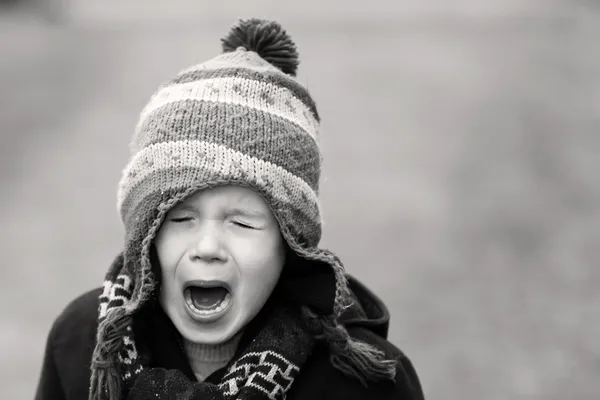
(227, 196)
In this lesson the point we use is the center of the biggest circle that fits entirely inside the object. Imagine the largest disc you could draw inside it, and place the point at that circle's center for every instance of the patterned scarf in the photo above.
(274, 347)
(302, 308)
(269, 358)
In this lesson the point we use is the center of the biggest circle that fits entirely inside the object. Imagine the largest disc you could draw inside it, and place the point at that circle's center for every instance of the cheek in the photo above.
(168, 250)
(260, 261)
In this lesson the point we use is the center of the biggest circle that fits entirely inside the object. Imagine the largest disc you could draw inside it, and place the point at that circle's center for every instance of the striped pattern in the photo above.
(235, 127)
(273, 78)
(158, 165)
(259, 96)
(115, 294)
(235, 118)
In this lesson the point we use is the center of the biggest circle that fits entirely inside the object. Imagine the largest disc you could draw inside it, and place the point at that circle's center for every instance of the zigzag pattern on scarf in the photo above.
(117, 294)
(262, 372)
(266, 371)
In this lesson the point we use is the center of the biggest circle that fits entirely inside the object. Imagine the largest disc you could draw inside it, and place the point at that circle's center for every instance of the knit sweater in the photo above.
(206, 359)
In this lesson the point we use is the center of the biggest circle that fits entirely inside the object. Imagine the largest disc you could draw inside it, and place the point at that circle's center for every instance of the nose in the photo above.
(208, 245)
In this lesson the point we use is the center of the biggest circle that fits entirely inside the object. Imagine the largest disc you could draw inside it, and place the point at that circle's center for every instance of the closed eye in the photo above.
(181, 219)
(242, 225)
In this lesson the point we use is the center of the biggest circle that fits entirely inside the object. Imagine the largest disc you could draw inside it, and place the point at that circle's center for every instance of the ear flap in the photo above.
(307, 283)
(157, 272)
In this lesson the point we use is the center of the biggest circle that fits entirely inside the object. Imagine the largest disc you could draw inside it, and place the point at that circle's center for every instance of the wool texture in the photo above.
(240, 118)
(265, 369)
(205, 359)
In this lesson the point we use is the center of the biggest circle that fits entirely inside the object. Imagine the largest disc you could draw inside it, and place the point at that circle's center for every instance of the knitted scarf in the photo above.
(300, 311)
(264, 367)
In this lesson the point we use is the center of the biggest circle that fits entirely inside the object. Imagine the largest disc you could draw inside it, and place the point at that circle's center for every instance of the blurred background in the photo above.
(460, 140)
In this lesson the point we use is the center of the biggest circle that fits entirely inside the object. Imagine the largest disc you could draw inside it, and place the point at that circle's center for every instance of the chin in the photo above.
(213, 333)
(207, 337)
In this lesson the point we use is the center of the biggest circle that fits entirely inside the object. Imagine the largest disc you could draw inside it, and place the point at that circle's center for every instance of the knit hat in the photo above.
(240, 118)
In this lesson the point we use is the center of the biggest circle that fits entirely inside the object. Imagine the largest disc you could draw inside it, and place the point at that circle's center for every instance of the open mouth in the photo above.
(207, 299)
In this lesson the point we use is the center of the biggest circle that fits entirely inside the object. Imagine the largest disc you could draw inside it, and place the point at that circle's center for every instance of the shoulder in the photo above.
(73, 335)
(82, 308)
(69, 348)
(70, 343)
(407, 384)
(321, 380)
(79, 316)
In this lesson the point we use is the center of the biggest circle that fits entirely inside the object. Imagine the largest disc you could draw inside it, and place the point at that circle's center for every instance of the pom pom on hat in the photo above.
(266, 38)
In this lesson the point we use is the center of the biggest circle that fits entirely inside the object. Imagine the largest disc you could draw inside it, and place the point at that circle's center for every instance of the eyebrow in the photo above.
(238, 211)
(184, 207)
(245, 212)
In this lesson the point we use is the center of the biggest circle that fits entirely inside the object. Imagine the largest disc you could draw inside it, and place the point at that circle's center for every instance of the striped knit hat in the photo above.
(239, 118)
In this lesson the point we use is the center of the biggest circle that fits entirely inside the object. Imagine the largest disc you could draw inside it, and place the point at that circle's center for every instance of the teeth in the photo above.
(215, 310)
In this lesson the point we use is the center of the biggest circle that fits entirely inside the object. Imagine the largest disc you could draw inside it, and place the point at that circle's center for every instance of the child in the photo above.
(221, 291)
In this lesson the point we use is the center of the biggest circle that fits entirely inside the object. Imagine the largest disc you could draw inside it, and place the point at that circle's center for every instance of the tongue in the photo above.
(207, 298)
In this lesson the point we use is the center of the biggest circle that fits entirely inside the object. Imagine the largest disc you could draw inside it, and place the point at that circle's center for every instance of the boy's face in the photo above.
(221, 254)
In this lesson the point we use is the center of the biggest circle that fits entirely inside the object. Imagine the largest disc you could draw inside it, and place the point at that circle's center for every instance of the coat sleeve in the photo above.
(49, 386)
(407, 380)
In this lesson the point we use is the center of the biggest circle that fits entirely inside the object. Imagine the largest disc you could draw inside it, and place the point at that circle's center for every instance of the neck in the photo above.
(207, 358)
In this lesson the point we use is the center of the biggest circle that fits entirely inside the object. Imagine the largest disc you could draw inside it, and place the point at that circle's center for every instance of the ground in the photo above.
(459, 140)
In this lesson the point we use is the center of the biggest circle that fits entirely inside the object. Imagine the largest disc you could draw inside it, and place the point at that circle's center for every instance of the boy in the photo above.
(221, 291)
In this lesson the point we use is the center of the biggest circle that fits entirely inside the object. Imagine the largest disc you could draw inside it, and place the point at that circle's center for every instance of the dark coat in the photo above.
(66, 367)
